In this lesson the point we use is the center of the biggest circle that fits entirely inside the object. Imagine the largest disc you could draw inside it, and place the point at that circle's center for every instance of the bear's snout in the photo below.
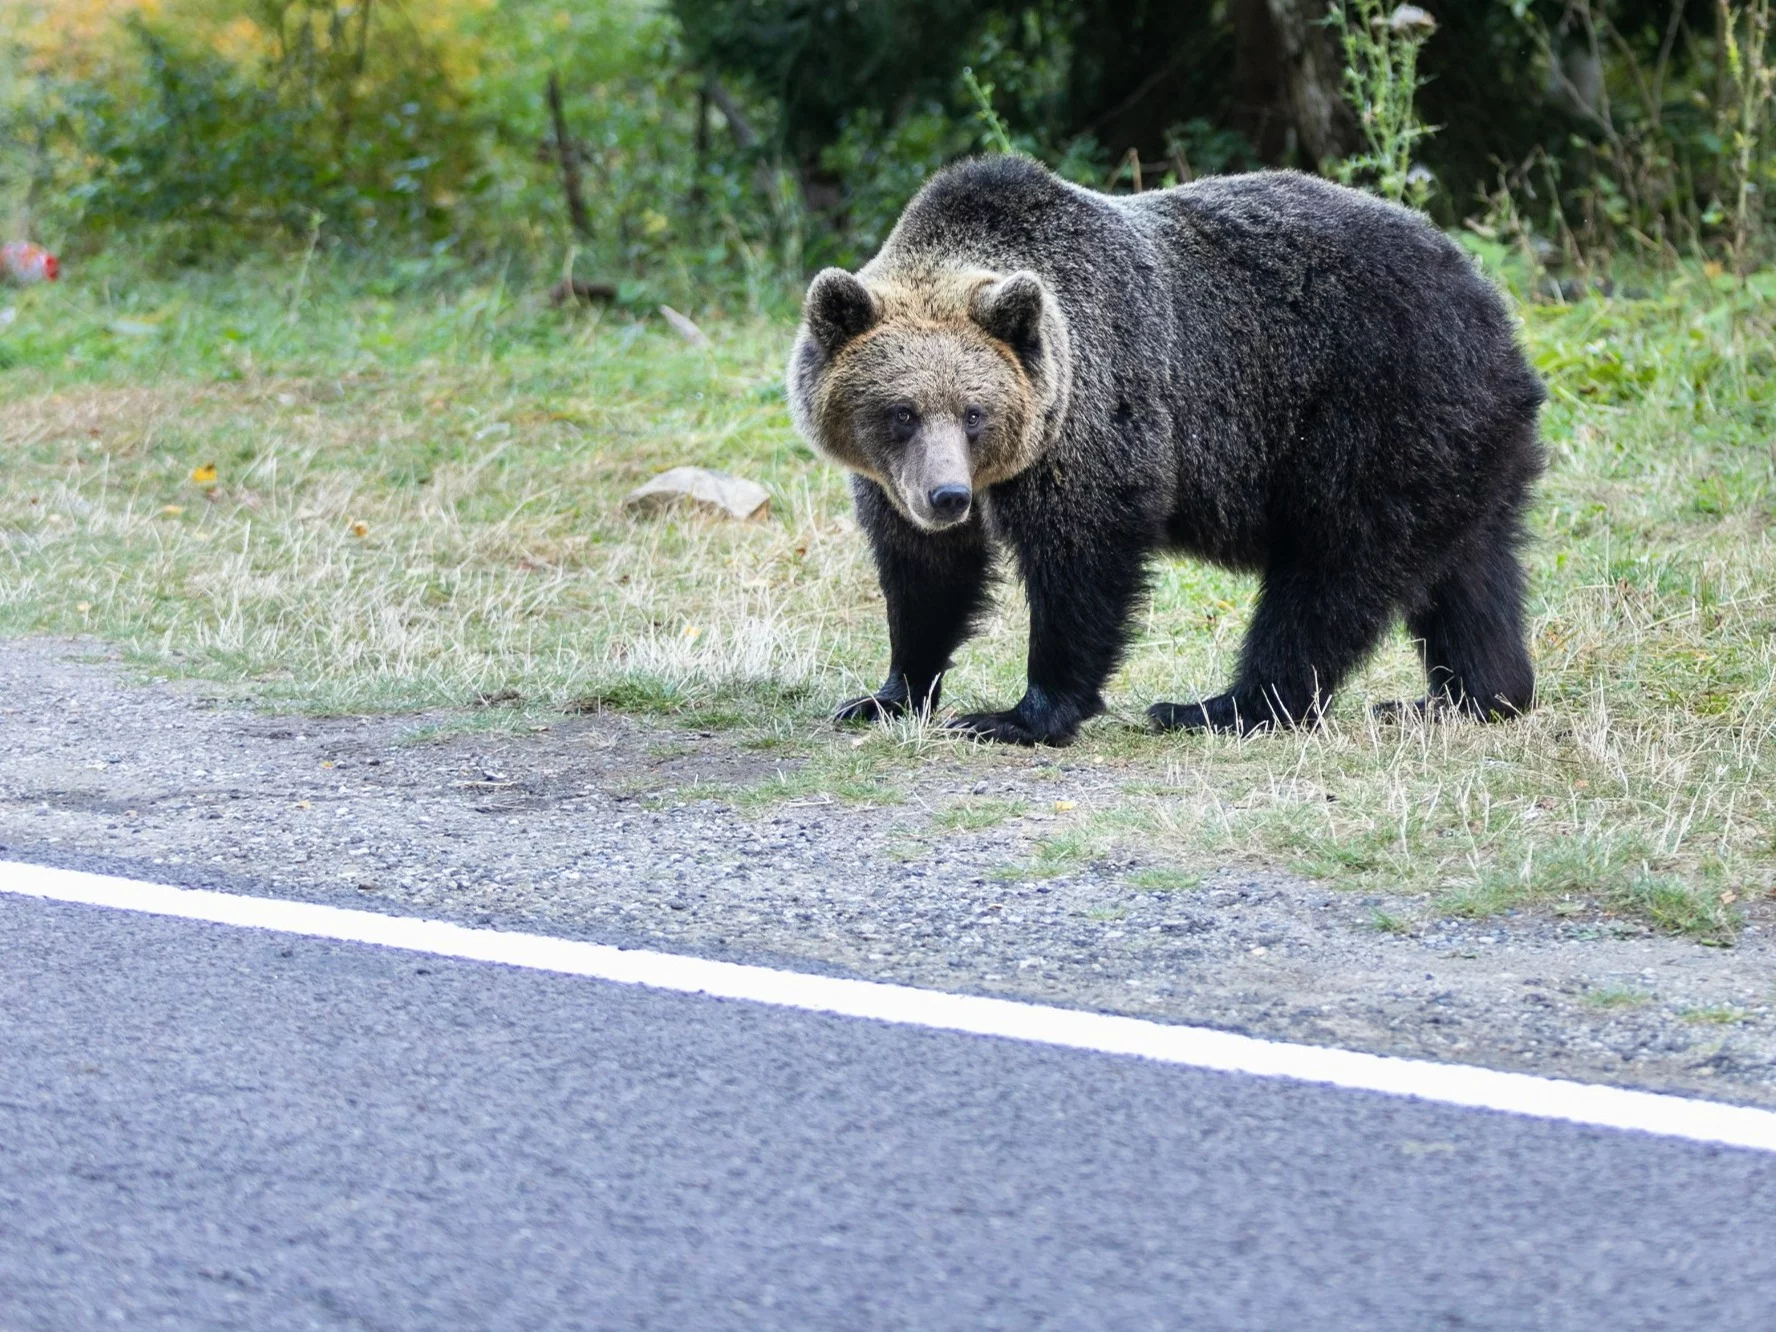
(949, 503)
(934, 476)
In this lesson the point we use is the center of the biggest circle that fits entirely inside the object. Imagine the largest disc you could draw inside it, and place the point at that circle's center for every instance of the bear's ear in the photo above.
(838, 309)
(1011, 310)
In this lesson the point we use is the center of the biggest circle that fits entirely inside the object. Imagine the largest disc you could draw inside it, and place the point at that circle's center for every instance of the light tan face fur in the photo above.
(926, 399)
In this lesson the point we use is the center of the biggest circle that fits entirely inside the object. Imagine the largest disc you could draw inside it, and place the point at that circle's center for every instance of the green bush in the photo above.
(206, 156)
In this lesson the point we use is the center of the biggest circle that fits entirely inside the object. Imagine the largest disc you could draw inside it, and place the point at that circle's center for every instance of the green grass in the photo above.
(831, 777)
(417, 501)
(1383, 922)
(1165, 880)
(1055, 856)
(975, 814)
(1724, 1015)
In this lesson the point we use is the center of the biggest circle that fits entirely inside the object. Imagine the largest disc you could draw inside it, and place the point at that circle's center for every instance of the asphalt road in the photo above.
(203, 1126)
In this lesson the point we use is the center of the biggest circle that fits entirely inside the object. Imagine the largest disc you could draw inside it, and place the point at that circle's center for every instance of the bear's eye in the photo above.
(971, 419)
(903, 416)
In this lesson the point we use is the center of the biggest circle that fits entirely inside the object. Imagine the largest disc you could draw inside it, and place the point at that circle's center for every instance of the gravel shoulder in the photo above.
(604, 827)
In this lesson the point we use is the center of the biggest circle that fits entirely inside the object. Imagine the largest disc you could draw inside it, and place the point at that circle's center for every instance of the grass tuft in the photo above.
(977, 814)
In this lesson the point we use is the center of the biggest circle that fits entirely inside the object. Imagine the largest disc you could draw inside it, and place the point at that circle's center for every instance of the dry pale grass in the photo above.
(405, 513)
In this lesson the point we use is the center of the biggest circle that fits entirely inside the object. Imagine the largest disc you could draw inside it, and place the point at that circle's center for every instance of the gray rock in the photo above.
(712, 492)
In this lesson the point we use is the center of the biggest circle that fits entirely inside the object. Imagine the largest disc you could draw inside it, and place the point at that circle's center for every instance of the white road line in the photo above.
(1197, 1047)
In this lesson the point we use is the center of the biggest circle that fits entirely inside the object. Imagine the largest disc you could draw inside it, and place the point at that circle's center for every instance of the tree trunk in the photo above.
(702, 143)
(568, 154)
(1287, 76)
(1312, 71)
(741, 128)
(1260, 91)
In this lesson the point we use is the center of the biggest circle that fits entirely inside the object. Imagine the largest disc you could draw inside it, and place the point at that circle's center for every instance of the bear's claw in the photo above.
(1220, 713)
(871, 708)
(1441, 707)
(1407, 709)
(1005, 727)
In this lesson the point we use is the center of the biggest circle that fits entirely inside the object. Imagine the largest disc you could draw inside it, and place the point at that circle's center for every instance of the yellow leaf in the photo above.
(1712, 269)
(204, 475)
(1062, 806)
(173, 510)
(360, 529)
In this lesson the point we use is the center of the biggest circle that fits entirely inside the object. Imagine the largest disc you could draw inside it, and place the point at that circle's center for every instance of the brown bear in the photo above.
(1268, 371)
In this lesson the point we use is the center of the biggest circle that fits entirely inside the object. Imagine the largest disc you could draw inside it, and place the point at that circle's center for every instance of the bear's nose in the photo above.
(949, 502)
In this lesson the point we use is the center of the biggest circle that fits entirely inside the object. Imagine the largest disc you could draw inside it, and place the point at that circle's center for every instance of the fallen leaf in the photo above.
(360, 529)
(83, 606)
(1062, 806)
(205, 474)
(172, 510)
(1729, 897)
(1712, 269)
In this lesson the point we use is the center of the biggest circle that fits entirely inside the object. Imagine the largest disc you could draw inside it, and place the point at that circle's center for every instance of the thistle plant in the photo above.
(995, 137)
(1380, 83)
(1745, 37)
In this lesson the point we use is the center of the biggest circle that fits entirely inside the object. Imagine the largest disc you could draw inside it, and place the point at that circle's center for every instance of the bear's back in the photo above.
(1005, 213)
(1296, 227)
(1319, 285)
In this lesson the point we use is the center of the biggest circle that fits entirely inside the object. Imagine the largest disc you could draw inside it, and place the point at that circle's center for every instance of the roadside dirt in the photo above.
(601, 827)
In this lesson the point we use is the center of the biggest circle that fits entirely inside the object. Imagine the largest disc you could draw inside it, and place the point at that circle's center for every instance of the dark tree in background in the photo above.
(769, 137)
(1146, 79)
(1286, 77)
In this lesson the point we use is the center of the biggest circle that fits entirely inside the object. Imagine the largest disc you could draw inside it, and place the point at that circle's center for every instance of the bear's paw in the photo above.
(871, 708)
(1221, 713)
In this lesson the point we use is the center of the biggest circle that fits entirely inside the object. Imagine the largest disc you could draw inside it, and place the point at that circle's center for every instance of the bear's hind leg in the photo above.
(1308, 632)
(1471, 634)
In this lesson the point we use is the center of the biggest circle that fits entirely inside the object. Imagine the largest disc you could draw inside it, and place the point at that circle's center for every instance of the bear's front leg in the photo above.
(935, 584)
(1082, 593)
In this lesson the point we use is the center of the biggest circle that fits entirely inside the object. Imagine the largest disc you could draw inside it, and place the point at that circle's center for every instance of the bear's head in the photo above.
(935, 386)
